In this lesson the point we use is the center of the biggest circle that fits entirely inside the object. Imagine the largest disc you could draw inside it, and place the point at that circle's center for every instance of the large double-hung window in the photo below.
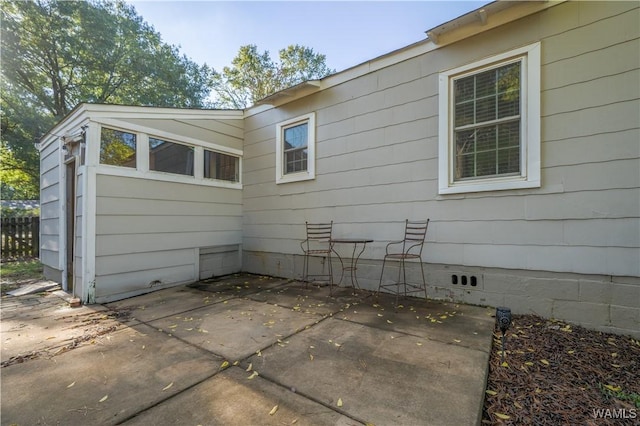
(490, 124)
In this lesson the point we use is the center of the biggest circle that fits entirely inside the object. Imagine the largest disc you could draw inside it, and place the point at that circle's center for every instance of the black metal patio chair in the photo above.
(318, 244)
(408, 248)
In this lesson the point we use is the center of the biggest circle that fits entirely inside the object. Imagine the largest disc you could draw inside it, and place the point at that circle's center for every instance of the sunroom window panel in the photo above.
(117, 148)
(221, 166)
(170, 157)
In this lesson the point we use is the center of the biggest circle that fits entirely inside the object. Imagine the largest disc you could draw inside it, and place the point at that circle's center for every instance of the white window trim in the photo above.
(530, 125)
(310, 173)
(142, 170)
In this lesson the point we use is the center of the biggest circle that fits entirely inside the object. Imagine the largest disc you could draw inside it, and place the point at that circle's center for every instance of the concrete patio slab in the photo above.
(34, 323)
(105, 382)
(232, 398)
(380, 377)
(238, 285)
(200, 357)
(306, 298)
(237, 328)
(163, 303)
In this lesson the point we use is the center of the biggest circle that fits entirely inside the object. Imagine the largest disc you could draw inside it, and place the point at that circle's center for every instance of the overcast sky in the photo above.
(348, 33)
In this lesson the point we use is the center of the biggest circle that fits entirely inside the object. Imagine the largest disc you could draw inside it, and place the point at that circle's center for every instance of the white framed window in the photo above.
(295, 149)
(146, 153)
(170, 157)
(117, 148)
(489, 124)
(221, 166)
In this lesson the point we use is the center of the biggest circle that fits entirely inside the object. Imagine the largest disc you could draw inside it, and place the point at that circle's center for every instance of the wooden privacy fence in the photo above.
(20, 237)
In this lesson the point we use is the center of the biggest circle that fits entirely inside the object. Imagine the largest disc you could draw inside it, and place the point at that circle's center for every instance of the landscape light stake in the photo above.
(503, 318)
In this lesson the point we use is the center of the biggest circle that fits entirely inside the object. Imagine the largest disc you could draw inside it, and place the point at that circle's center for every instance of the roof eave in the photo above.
(484, 18)
(292, 93)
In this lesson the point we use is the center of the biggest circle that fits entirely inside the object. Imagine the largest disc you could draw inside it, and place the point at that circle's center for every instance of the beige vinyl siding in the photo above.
(377, 145)
(148, 233)
(221, 131)
(49, 207)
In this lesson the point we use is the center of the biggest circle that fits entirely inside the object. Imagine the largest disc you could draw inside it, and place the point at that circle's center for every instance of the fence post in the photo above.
(35, 236)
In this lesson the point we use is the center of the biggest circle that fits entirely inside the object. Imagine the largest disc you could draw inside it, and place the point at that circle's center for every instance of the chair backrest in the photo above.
(318, 234)
(414, 235)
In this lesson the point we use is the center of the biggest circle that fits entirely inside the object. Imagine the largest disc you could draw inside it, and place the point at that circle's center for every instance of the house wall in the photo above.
(568, 249)
(50, 212)
(151, 234)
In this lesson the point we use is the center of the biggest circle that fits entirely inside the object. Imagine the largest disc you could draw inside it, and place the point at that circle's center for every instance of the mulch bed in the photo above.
(556, 374)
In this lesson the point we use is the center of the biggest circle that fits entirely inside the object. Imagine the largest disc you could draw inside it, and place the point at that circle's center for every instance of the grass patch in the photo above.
(13, 273)
(22, 270)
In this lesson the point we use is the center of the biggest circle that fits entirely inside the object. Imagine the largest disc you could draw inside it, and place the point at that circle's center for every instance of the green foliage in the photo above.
(610, 391)
(19, 212)
(57, 54)
(18, 180)
(117, 148)
(254, 75)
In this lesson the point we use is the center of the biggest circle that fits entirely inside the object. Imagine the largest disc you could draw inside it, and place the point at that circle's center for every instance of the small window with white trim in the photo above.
(295, 149)
(489, 129)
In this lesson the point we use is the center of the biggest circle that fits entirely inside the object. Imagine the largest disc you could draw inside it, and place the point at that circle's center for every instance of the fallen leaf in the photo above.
(339, 403)
(418, 343)
(502, 416)
(273, 410)
(457, 341)
(254, 374)
(518, 406)
(491, 392)
(504, 364)
(104, 398)
(249, 367)
(167, 387)
(224, 365)
(544, 361)
(613, 388)
(311, 357)
(529, 363)
(71, 385)
(390, 322)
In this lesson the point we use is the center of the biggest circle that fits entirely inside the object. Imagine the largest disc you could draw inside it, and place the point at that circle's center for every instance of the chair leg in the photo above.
(381, 275)
(330, 268)
(305, 271)
(424, 282)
